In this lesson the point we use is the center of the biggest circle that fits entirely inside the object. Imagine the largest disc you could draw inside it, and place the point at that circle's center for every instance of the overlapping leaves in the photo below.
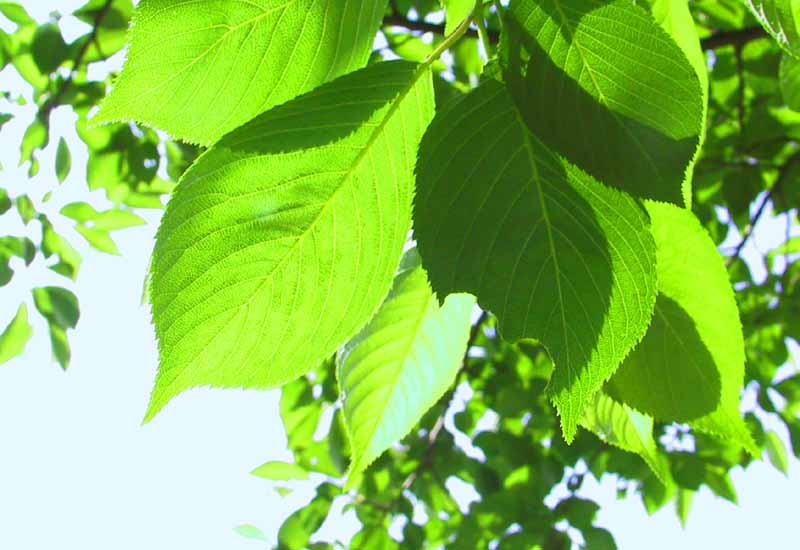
(554, 254)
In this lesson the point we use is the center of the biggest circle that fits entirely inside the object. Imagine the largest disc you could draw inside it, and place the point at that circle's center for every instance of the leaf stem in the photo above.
(448, 41)
(477, 16)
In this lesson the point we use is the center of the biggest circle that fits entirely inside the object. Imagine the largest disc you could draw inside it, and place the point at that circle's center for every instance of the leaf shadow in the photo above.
(614, 147)
(671, 375)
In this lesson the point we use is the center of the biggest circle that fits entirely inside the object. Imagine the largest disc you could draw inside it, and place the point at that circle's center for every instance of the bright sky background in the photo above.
(78, 471)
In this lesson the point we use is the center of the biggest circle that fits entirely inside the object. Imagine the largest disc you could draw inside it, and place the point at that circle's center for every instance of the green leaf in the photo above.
(690, 365)
(401, 363)
(55, 244)
(17, 14)
(296, 531)
(25, 208)
(57, 305)
(200, 73)
(598, 538)
(683, 503)
(63, 160)
(281, 241)
(48, 48)
(776, 451)
(36, 137)
(601, 83)
(554, 254)
(623, 427)
(60, 307)
(5, 202)
(779, 18)
(456, 11)
(15, 336)
(98, 239)
(251, 532)
(675, 17)
(280, 471)
(790, 81)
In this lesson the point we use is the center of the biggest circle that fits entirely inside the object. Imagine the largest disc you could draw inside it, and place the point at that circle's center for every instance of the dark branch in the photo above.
(55, 99)
(433, 435)
(774, 190)
(717, 40)
(737, 38)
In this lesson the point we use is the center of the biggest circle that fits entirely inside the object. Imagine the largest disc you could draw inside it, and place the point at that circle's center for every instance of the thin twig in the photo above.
(433, 435)
(719, 39)
(55, 99)
(775, 189)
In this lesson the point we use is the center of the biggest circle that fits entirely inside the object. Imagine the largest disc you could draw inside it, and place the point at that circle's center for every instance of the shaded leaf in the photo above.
(538, 242)
(690, 364)
(601, 83)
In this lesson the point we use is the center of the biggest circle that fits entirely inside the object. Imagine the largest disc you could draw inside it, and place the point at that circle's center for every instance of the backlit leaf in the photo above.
(401, 363)
(780, 19)
(623, 427)
(15, 336)
(690, 364)
(199, 73)
(281, 241)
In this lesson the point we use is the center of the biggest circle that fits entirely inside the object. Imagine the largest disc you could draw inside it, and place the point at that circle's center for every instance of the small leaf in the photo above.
(36, 137)
(540, 243)
(55, 244)
(623, 427)
(401, 363)
(776, 451)
(606, 87)
(281, 241)
(5, 202)
(60, 307)
(296, 531)
(15, 336)
(48, 48)
(99, 239)
(251, 532)
(690, 364)
(232, 60)
(280, 471)
(63, 160)
(25, 208)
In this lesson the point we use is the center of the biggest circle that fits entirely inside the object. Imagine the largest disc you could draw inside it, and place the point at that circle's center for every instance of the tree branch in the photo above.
(433, 435)
(719, 39)
(55, 99)
(748, 231)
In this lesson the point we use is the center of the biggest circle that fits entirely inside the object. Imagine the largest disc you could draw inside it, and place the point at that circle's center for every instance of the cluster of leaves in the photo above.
(123, 160)
(571, 166)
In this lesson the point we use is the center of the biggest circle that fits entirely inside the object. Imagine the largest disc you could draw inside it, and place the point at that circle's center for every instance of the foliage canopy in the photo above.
(501, 223)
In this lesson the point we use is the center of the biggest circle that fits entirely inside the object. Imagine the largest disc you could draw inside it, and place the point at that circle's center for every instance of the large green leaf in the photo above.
(675, 17)
(554, 254)
(456, 11)
(401, 363)
(690, 364)
(15, 336)
(199, 72)
(779, 18)
(619, 425)
(601, 83)
(281, 241)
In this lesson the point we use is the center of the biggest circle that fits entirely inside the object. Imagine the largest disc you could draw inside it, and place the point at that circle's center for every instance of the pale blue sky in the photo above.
(79, 472)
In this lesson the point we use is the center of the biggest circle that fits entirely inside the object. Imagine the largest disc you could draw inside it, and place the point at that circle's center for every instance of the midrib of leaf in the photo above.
(574, 40)
(415, 334)
(536, 178)
(346, 178)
